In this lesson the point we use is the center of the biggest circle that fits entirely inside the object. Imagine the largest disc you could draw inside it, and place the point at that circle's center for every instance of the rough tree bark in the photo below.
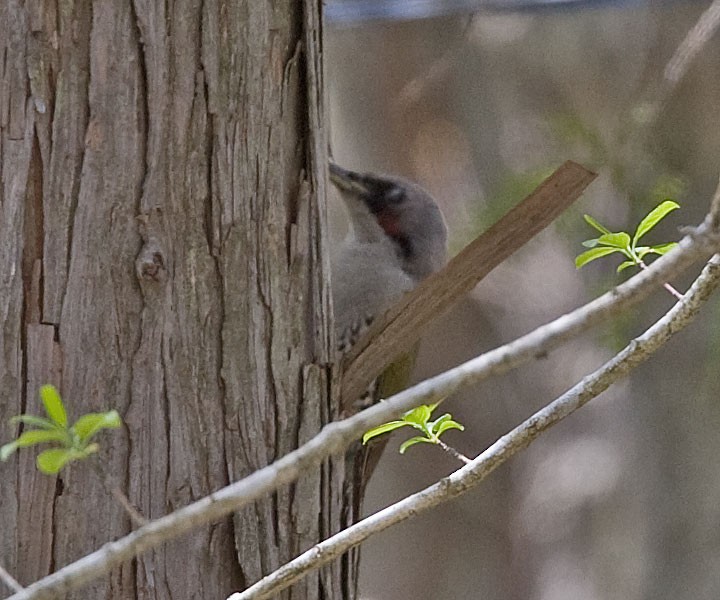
(162, 253)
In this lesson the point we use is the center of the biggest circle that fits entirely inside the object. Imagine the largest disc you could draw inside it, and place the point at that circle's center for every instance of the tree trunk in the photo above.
(162, 252)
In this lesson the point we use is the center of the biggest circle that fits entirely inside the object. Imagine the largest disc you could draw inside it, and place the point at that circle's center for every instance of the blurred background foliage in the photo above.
(623, 500)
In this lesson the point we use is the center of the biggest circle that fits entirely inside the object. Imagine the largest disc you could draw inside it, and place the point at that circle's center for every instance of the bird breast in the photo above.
(366, 280)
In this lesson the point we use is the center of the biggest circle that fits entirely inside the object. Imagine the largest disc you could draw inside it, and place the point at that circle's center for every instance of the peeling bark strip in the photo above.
(162, 252)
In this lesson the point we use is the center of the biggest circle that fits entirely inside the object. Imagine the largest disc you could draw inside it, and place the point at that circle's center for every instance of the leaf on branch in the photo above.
(593, 223)
(624, 265)
(7, 450)
(41, 422)
(418, 439)
(53, 404)
(653, 218)
(89, 424)
(419, 415)
(418, 418)
(446, 425)
(662, 249)
(74, 441)
(615, 240)
(582, 259)
(384, 428)
(41, 436)
(51, 461)
(433, 425)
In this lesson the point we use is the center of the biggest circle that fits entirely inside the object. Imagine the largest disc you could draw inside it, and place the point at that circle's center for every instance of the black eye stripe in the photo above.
(384, 195)
(376, 204)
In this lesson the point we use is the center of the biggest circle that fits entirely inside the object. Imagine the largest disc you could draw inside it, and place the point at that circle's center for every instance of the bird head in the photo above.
(398, 212)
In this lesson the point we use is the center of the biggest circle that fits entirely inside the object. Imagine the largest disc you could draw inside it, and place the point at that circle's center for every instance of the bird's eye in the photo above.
(395, 195)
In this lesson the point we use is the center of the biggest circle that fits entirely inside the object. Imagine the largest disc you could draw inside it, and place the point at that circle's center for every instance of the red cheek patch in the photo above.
(387, 219)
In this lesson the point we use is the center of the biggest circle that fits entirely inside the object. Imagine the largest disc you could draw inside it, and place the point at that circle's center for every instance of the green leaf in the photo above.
(41, 422)
(7, 450)
(90, 449)
(30, 438)
(433, 425)
(625, 265)
(448, 425)
(419, 415)
(384, 428)
(662, 248)
(88, 425)
(593, 223)
(593, 254)
(40, 436)
(590, 243)
(418, 439)
(53, 404)
(641, 251)
(51, 461)
(653, 218)
(615, 240)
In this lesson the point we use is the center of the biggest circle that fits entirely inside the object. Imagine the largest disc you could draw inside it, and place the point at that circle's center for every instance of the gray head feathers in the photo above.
(397, 238)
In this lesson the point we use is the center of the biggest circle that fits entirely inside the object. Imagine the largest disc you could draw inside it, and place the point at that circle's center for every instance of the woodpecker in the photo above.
(397, 238)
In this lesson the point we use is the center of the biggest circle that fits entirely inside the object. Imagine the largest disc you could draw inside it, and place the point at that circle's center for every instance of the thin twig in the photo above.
(693, 43)
(639, 350)
(714, 215)
(666, 285)
(454, 453)
(414, 89)
(132, 512)
(337, 436)
(681, 59)
(10, 581)
(109, 484)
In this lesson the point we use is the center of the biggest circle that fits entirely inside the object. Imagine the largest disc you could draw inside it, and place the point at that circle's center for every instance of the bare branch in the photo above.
(335, 437)
(454, 453)
(135, 516)
(639, 350)
(714, 216)
(414, 89)
(691, 46)
(671, 290)
(679, 63)
(9, 580)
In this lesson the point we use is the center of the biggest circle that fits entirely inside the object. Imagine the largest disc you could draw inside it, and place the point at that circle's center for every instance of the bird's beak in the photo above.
(348, 181)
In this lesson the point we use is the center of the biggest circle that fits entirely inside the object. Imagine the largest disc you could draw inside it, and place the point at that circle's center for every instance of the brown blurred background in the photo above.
(622, 501)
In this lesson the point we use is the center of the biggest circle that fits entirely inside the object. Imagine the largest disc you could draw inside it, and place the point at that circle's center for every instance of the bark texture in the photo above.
(162, 253)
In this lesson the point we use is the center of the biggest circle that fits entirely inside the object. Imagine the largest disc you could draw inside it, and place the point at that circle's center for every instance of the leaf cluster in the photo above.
(70, 443)
(609, 242)
(419, 419)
